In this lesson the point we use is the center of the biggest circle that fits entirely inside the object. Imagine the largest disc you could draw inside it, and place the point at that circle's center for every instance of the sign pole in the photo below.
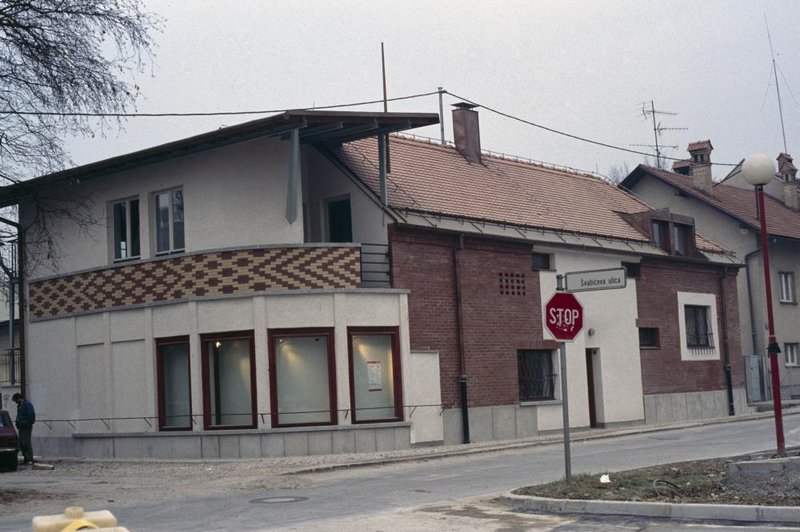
(562, 351)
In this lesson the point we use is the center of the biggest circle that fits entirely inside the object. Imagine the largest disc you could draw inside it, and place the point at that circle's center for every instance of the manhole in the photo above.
(278, 500)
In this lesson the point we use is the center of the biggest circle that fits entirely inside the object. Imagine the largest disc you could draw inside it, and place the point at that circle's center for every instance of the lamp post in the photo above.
(758, 170)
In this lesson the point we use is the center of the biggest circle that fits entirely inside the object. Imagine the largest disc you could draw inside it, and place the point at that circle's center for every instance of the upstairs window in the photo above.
(541, 261)
(168, 209)
(790, 351)
(125, 224)
(787, 287)
(682, 235)
(661, 235)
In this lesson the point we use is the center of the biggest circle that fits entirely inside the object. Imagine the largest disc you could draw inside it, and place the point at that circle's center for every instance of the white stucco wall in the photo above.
(103, 365)
(612, 315)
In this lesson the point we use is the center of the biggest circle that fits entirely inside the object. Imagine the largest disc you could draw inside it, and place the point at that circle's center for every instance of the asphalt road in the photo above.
(370, 492)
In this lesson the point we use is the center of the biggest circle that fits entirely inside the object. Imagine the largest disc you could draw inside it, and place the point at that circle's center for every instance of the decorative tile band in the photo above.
(191, 276)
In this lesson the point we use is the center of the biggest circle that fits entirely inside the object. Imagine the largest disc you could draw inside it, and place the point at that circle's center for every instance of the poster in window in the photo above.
(374, 378)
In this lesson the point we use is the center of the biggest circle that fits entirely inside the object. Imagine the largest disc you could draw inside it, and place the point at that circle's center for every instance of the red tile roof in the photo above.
(737, 202)
(436, 179)
(700, 145)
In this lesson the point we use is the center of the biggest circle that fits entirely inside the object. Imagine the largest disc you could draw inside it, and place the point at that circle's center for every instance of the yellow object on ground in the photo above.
(74, 518)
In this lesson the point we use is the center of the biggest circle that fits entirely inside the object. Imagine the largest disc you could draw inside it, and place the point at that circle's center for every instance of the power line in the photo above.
(216, 113)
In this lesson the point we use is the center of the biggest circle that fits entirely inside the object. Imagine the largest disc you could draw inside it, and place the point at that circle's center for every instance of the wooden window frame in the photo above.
(235, 335)
(394, 332)
(274, 334)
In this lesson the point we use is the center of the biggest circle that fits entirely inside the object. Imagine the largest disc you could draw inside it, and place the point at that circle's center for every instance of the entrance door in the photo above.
(590, 353)
(340, 225)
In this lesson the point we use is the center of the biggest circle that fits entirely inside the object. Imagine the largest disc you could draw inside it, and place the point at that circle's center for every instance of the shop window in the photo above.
(536, 376)
(174, 391)
(302, 377)
(375, 386)
(229, 397)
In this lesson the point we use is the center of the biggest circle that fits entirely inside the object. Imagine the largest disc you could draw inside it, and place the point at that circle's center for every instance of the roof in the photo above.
(700, 145)
(315, 127)
(433, 179)
(738, 203)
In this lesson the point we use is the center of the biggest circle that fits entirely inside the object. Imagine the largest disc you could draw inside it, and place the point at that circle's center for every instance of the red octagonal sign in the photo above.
(563, 316)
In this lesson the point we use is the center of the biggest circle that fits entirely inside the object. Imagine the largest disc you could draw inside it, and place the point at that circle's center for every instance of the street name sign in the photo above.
(595, 280)
(563, 316)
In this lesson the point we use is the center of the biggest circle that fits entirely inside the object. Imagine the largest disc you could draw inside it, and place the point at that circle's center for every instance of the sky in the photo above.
(587, 68)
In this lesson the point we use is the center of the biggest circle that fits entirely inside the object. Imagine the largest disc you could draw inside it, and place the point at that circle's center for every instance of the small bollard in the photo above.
(74, 518)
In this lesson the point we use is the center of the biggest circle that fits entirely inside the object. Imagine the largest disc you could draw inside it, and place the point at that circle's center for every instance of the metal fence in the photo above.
(376, 266)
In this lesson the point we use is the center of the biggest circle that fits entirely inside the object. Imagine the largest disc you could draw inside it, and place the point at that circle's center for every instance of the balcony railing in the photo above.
(376, 266)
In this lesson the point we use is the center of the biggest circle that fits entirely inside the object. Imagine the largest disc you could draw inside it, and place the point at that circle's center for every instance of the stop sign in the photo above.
(563, 316)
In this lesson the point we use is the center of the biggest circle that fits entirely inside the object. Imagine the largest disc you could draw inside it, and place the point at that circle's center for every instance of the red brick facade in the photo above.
(501, 308)
(663, 371)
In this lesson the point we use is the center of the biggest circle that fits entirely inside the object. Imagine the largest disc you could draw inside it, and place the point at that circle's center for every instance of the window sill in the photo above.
(128, 259)
(170, 252)
(782, 302)
(650, 347)
(543, 402)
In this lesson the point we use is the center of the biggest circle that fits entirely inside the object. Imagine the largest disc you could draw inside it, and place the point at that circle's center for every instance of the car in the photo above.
(9, 443)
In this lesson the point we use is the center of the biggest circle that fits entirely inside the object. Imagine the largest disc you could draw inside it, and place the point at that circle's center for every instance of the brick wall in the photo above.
(501, 304)
(197, 275)
(663, 371)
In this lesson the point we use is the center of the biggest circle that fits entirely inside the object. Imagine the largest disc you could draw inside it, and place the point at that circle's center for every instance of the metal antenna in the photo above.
(657, 129)
(777, 87)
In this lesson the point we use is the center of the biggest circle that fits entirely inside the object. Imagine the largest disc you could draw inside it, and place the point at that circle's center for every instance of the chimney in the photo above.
(701, 165)
(788, 172)
(683, 167)
(466, 133)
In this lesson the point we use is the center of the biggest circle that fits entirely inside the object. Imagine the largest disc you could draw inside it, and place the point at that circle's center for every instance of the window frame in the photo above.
(397, 379)
(698, 352)
(172, 249)
(704, 340)
(233, 335)
(162, 415)
(656, 338)
(550, 265)
(553, 380)
(272, 336)
(129, 232)
(788, 294)
(794, 348)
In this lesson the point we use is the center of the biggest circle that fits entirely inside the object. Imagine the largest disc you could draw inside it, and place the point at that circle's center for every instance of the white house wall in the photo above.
(611, 314)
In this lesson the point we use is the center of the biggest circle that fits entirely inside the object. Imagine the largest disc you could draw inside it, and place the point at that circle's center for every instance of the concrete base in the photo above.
(491, 423)
(671, 407)
(303, 441)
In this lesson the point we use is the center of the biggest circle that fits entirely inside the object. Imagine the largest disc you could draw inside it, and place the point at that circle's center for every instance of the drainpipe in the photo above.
(462, 381)
(21, 299)
(724, 342)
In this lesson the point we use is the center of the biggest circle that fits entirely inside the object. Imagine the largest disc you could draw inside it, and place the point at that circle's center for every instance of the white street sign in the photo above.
(595, 280)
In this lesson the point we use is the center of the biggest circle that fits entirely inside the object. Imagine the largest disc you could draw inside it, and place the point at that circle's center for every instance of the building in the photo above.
(293, 286)
(726, 212)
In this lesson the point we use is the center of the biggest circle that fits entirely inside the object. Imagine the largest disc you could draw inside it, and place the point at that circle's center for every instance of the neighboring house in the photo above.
(726, 212)
(285, 287)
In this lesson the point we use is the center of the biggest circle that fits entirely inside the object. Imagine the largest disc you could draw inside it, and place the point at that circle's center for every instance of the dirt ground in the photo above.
(705, 481)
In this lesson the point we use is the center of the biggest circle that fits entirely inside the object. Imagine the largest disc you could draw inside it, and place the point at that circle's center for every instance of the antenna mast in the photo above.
(657, 129)
(777, 87)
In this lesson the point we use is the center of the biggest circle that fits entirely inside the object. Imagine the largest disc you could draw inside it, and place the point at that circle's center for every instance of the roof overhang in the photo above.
(315, 127)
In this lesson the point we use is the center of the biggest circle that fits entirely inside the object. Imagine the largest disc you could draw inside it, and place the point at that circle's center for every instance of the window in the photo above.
(168, 209)
(682, 239)
(9, 366)
(375, 389)
(302, 377)
(174, 391)
(229, 399)
(340, 225)
(541, 261)
(633, 270)
(790, 351)
(787, 287)
(660, 234)
(125, 224)
(648, 337)
(536, 377)
(697, 330)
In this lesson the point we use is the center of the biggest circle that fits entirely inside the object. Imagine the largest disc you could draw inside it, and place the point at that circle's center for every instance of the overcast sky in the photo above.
(583, 67)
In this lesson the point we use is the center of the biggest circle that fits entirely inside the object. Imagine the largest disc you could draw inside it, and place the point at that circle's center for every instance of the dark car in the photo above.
(9, 443)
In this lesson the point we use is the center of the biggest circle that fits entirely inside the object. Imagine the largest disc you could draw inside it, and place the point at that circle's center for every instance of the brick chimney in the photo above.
(466, 132)
(701, 165)
(683, 167)
(788, 172)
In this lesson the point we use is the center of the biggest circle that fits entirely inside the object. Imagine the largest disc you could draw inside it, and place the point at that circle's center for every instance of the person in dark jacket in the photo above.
(26, 417)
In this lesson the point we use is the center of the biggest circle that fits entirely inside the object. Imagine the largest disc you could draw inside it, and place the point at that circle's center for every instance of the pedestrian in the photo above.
(26, 417)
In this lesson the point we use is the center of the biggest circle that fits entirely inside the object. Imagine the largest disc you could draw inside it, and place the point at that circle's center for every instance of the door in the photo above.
(590, 354)
(340, 225)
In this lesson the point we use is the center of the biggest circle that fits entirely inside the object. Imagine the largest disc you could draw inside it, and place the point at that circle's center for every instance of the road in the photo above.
(378, 492)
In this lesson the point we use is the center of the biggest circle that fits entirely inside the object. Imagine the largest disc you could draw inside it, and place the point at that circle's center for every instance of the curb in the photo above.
(717, 512)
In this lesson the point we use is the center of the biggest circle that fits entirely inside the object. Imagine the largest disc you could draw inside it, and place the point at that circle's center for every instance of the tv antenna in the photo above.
(777, 87)
(657, 130)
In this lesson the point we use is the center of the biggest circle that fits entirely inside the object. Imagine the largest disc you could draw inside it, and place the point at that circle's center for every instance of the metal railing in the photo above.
(376, 266)
(9, 366)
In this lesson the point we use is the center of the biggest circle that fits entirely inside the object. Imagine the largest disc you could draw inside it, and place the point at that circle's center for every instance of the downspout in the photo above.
(462, 381)
(724, 342)
(21, 300)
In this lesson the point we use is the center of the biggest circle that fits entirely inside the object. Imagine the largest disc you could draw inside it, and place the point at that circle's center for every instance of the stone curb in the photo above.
(718, 512)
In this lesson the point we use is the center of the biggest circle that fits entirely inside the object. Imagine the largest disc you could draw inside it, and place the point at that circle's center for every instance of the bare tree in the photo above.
(616, 173)
(62, 62)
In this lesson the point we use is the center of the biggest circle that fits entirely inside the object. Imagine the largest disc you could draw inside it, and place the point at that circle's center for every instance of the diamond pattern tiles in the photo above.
(192, 276)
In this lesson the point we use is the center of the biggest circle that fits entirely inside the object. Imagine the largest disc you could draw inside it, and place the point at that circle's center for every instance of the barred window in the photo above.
(536, 377)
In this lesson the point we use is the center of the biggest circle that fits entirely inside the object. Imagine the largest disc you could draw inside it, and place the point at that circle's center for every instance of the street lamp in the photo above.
(758, 170)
